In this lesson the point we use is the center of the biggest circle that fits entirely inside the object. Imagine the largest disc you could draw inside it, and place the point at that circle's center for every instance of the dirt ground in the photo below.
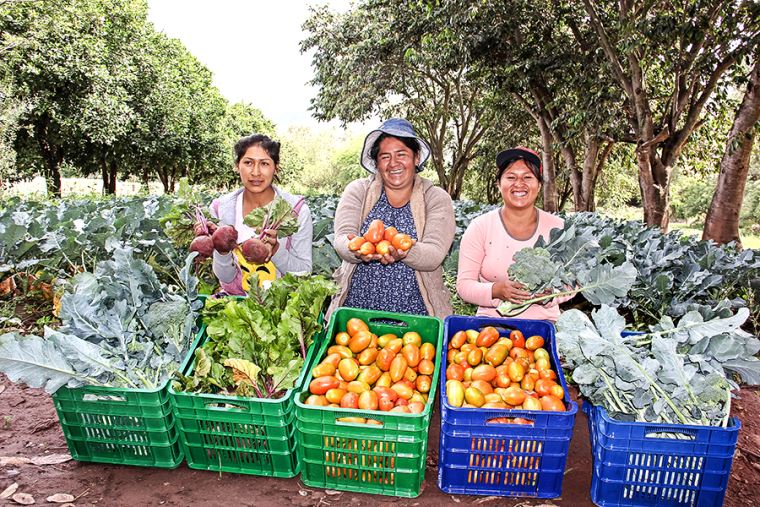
(29, 428)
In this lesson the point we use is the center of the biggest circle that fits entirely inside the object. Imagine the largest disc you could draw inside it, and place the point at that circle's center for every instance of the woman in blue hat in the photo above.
(404, 281)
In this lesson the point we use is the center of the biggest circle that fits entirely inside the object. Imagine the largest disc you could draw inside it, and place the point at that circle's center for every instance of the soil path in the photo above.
(29, 428)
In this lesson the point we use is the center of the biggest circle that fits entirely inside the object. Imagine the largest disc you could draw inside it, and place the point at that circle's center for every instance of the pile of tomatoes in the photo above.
(486, 370)
(379, 239)
(369, 372)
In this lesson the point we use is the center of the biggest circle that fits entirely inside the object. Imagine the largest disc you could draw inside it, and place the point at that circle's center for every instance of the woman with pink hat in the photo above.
(491, 240)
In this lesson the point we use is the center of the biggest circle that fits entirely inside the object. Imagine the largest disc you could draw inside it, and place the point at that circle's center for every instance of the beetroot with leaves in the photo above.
(256, 251)
(225, 239)
(204, 245)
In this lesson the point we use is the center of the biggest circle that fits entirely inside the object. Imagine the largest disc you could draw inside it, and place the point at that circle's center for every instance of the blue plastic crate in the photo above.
(478, 457)
(659, 464)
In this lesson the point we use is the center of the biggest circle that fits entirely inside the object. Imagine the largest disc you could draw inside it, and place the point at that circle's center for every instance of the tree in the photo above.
(378, 60)
(669, 59)
(722, 222)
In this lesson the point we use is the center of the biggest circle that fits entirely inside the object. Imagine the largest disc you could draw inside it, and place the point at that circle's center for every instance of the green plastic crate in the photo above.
(120, 425)
(385, 459)
(240, 435)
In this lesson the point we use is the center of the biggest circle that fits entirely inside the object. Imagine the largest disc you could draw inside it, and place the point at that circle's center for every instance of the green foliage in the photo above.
(677, 373)
(120, 327)
(691, 198)
(257, 345)
(278, 215)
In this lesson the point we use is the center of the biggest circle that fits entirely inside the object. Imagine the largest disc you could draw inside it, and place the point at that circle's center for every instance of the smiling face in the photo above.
(519, 186)
(396, 163)
(256, 169)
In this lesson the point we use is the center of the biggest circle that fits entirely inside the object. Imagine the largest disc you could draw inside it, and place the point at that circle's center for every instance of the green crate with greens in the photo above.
(234, 405)
(123, 335)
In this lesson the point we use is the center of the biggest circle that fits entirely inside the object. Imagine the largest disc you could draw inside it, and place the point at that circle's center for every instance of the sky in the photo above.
(252, 48)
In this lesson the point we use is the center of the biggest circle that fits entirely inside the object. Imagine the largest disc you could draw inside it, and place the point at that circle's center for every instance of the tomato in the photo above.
(513, 396)
(395, 345)
(416, 407)
(499, 404)
(360, 341)
(389, 233)
(487, 337)
(461, 358)
(383, 248)
(475, 356)
(384, 359)
(472, 335)
(403, 409)
(323, 384)
(548, 374)
(543, 386)
(518, 352)
(557, 391)
(375, 231)
(367, 248)
(386, 392)
(552, 404)
(358, 387)
(323, 370)
(543, 364)
(496, 354)
(355, 325)
(333, 359)
(459, 339)
(540, 353)
(528, 383)
(455, 393)
(455, 372)
(516, 371)
(385, 339)
(370, 374)
(427, 351)
(534, 342)
(502, 379)
(368, 356)
(341, 350)
(484, 372)
(317, 401)
(335, 395)
(531, 403)
(356, 243)
(368, 400)
(411, 353)
(482, 386)
(426, 367)
(518, 339)
(384, 380)
(402, 241)
(412, 337)
(474, 396)
(410, 374)
(492, 398)
(384, 404)
(404, 390)
(398, 367)
(349, 369)
(423, 383)
(350, 400)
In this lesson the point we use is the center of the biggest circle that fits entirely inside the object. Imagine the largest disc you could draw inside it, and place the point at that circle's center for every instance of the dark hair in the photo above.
(267, 144)
(409, 142)
(533, 168)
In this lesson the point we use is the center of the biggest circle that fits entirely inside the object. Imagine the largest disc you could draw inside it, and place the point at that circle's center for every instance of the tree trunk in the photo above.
(112, 177)
(52, 155)
(163, 176)
(654, 182)
(104, 175)
(551, 199)
(722, 222)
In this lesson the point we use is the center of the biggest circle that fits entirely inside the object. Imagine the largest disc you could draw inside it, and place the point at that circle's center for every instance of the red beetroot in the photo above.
(203, 245)
(256, 251)
(200, 229)
(225, 239)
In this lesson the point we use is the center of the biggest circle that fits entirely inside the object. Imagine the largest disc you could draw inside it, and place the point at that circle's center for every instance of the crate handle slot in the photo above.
(339, 420)
(510, 420)
(669, 434)
(388, 321)
(224, 405)
(104, 397)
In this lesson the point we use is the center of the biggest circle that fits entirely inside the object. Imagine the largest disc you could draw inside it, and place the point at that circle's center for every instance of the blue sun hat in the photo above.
(396, 127)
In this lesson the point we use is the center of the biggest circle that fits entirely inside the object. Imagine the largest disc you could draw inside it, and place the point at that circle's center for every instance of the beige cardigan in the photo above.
(433, 214)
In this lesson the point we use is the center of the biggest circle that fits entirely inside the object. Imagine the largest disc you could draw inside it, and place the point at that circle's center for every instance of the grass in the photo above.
(695, 229)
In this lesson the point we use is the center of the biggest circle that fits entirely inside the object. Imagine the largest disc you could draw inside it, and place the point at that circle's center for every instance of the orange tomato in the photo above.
(426, 367)
(513, 396)
(333, 359)
(323, 384)
(375, 231)
(557, 391)
(411, 353)
(335, 395)
(360, 341)
(487, 337)
(496, 354)
(354, 325)
(350, 400)
(316, 400)
(548, 374)
(518, 339)
(395, 345)
(552, 404)
(357, 386)
(342, 338)
(459, 339)
(455, 393)
(368, 356)
(423, 383)
(368, 400)
(385, 339)
(398, 367)
(386, 392)
(543, 386)
(384, 404)
(416, 407)
(475, 356)
(534, 342)
(543, 364)
(341, 350)
(384, 380)
(412, 337)
(516, 371)
(354, 244)
(531, 403)
(403, 390)
(389, 233)
(383, 247)
(370, 374)
(402, 241)
(427, 351)
(455, 372)
(484, 372)
(323, 370)
(367, 248)
(384, 359)
(482, 386)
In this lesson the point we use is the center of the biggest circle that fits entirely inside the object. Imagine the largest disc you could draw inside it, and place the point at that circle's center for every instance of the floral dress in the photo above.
(392, 287)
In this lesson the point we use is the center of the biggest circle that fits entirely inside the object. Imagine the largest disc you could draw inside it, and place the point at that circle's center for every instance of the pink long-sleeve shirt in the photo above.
(485, 254)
